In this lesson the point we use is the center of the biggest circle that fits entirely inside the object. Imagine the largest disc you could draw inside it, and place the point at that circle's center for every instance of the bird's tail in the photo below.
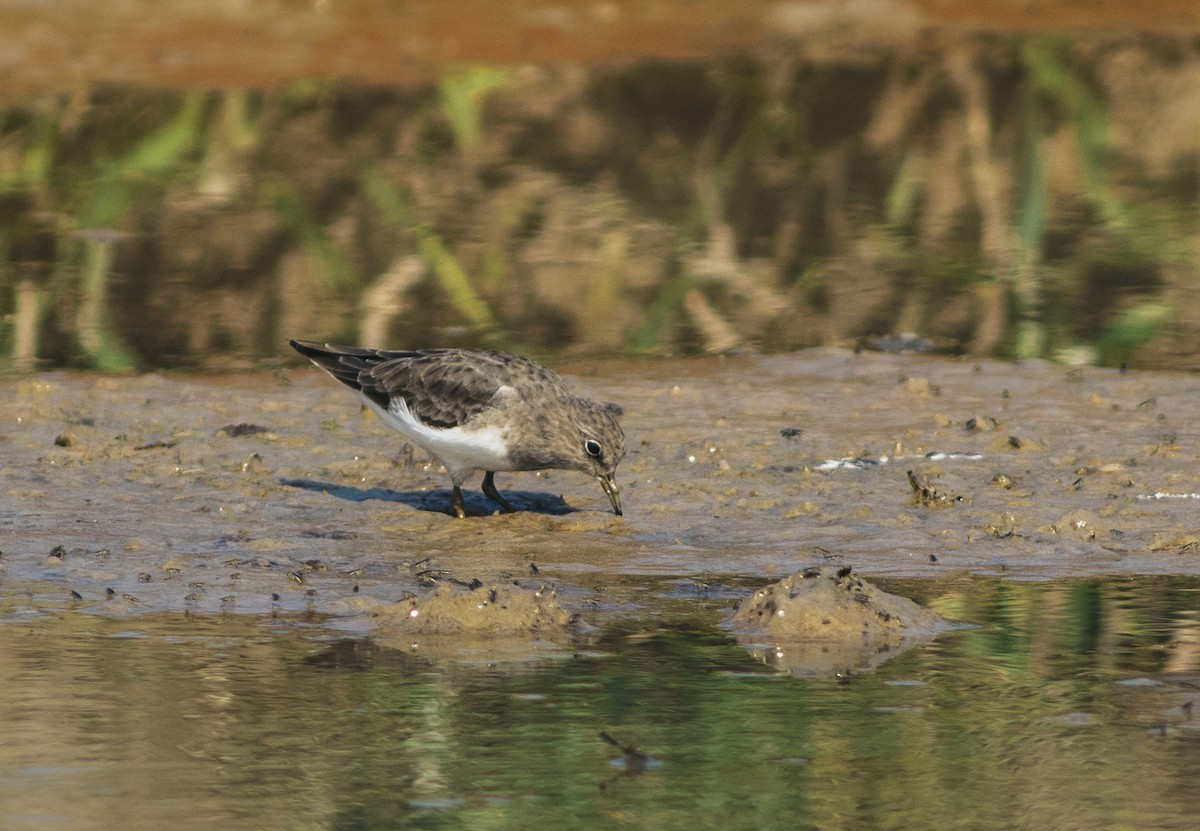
(342, 362)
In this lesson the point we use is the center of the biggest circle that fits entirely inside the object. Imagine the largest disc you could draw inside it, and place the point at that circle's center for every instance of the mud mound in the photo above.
(481, 612)
(824, 621)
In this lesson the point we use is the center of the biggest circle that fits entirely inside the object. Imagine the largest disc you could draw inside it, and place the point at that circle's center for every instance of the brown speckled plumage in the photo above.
(466, 392)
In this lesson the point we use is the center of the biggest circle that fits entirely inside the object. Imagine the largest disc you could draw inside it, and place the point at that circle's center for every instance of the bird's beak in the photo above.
(609, 483)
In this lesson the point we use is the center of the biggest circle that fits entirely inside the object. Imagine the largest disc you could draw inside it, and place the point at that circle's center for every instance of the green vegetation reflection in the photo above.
(1067, 706)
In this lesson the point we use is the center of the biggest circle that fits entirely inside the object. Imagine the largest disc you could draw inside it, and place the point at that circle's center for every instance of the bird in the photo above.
(475, 409)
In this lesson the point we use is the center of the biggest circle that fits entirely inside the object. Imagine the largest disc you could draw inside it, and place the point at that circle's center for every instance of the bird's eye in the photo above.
(593, 448)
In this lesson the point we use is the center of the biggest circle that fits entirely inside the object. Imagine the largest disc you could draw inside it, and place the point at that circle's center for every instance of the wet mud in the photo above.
(274, 494)
(829, 621)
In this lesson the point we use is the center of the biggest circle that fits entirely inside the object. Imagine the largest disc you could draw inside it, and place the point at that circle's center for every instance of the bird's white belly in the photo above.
(460, 450)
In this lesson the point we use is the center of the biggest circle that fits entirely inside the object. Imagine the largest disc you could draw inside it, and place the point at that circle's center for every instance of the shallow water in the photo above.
(1068, 707)
(187, 637)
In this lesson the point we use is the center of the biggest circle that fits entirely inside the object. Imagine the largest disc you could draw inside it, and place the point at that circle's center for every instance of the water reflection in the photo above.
(1068, 707)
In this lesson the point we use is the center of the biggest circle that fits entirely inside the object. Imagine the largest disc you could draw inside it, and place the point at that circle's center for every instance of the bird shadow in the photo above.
(438, 501)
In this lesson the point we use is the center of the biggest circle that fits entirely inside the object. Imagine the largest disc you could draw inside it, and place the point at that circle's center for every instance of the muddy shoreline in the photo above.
(129, 495)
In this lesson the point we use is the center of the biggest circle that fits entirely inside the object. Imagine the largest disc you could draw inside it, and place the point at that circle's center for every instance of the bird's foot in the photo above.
(489, 489)
(456, 503)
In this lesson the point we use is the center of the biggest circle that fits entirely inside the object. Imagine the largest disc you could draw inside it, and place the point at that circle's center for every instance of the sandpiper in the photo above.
(479, 410)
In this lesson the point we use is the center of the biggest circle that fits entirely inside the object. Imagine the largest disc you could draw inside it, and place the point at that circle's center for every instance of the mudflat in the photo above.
(274, 492)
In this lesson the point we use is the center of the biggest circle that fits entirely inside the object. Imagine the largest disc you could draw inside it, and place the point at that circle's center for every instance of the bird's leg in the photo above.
(456, 503)
(489, 490)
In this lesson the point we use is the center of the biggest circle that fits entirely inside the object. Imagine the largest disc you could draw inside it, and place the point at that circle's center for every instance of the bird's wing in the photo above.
(442, 387)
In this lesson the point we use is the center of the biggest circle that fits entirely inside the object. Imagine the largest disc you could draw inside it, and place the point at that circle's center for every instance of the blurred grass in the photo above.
(397, 207)
(462, 92)
(1032, 186)
(105, 350)
(1134, 328)
(649, 334)
(1051, 72)
(356, 178)
(115, 184)
(313, 237)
